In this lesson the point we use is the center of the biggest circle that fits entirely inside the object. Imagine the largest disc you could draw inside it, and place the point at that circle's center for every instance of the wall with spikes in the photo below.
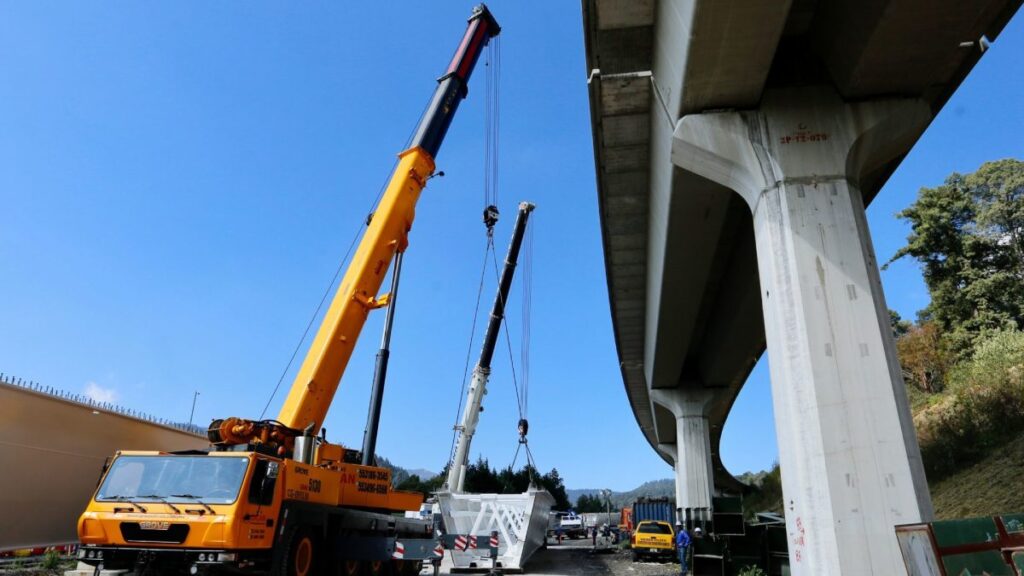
(52, 448)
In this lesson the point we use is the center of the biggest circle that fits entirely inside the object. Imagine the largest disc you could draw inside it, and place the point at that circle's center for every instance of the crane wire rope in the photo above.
(492, 129)
(525, 279)
(490, 194)
(488, 125)
(508, 343)
(527, 312)
(469, 349)
(492, 120)
(341, 266)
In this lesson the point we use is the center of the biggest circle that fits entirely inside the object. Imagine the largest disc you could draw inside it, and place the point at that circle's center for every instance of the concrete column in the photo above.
(851, 466)
(693, 465)
(670, 451)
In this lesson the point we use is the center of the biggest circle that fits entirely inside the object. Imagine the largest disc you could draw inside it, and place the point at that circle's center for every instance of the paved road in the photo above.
(575, 558)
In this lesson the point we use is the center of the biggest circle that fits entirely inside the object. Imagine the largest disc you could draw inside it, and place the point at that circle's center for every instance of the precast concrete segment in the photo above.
(693, 458)
(851, 464)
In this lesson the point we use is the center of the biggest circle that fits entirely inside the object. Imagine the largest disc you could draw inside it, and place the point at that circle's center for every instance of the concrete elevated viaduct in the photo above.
(737, 143)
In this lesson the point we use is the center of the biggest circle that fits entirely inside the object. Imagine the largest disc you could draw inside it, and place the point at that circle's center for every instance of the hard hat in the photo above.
(698, 531)
(679, 524)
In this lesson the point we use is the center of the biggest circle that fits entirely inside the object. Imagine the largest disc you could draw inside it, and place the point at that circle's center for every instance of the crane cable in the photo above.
(492, 129)
(492, 120)
(469, 349)
(526, 280)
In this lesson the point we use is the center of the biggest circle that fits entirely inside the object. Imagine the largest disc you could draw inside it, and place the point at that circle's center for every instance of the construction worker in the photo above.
(682, 543)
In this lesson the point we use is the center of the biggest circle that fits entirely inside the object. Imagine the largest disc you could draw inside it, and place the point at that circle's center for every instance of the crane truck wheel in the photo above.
(300, 556)
(351, 568)
(380, 568)
(407, 567)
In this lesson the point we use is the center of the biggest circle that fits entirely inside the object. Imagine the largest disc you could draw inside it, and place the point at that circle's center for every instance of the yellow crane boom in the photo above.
(320, 374)
(387, 235)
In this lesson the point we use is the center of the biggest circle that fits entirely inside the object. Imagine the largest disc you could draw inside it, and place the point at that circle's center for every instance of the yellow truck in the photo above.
(653, 538)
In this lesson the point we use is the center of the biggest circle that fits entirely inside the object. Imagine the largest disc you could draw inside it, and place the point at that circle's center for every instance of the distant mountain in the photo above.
(753, 478)
(399, 474)
(652, 489)
(422, 473)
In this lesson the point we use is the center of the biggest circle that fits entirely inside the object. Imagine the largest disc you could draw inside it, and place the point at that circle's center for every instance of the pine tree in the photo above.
(968, 234)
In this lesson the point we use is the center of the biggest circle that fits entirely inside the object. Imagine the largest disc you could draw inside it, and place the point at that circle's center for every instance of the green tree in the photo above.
(514, 482)
(998, 189)
(426, 487)
(767, 496)
(552, 482)
(898, 324)
(590, 503)
(968, 235)
(481, 478)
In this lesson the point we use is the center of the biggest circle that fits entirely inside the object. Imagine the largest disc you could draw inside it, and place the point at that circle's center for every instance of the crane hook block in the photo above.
(524, 426)
(490, 216)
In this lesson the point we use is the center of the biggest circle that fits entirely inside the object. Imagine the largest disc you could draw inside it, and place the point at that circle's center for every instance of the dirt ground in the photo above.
(575, 558)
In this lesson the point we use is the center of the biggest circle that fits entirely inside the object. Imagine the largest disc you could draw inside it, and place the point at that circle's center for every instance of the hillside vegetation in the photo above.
(990, 486)
(963, 359)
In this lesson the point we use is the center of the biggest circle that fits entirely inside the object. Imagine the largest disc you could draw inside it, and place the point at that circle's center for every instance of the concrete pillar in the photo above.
(670, 451)
(693, 465)
(851, 466)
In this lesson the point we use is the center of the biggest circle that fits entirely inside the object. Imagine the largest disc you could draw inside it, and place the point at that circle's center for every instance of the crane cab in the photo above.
(217, 510)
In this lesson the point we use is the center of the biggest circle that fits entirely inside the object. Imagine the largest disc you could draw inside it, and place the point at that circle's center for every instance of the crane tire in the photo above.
(351, 568)
(300, 556)
(407, 567)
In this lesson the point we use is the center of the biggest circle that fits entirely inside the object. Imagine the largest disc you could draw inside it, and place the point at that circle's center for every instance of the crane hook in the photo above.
(490, 218)
(524, 427)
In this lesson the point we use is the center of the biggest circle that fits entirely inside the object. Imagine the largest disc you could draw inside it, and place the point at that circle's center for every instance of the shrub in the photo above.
(984, 406)
(52, 560)
(926, 357)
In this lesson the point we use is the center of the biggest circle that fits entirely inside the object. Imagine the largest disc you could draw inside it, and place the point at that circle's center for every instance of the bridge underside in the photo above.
(701, 110)
(681, 267)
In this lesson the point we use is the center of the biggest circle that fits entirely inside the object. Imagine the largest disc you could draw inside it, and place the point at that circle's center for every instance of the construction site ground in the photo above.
(571, 558)
(577, 558)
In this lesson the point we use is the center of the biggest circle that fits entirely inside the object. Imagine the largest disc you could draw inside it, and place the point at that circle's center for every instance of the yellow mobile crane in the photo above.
(271, 496)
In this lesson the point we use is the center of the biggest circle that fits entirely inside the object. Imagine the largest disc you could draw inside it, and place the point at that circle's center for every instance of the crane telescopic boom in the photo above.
(387, 235)
(482, 370)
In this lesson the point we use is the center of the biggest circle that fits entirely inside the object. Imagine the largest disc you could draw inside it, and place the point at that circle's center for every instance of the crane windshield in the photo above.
(177, 479)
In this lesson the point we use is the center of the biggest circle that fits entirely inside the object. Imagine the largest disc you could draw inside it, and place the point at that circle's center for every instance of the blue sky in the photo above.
(178, 182)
